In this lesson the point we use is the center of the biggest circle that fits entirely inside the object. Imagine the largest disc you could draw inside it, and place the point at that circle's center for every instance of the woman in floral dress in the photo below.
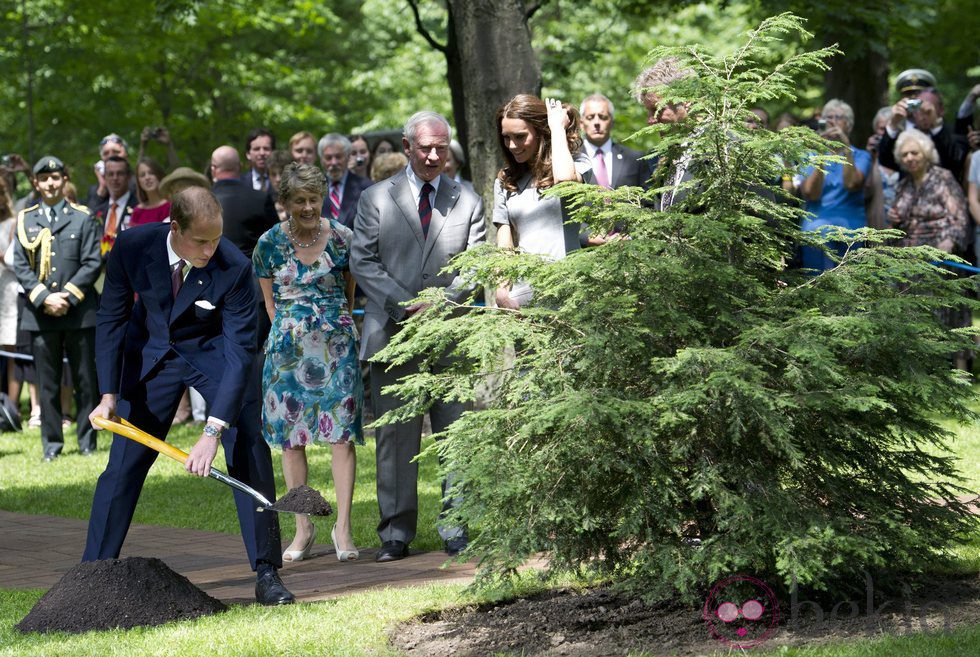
(931, 209)
(312, 378)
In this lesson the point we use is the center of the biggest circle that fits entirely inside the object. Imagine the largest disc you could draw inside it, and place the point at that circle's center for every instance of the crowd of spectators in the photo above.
(917, 173)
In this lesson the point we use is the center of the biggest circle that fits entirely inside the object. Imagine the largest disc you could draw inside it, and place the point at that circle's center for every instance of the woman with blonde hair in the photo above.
(302, 147)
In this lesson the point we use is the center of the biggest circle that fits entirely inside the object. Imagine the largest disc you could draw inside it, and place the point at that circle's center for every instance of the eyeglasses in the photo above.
(835, 117)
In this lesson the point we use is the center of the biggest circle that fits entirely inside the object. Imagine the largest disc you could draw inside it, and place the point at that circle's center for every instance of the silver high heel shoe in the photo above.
(342, 555)
(298, 555)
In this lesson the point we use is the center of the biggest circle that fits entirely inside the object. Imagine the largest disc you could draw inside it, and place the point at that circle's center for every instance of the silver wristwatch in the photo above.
(212, 431)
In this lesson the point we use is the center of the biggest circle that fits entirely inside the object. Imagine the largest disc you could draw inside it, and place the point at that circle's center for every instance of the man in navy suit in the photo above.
(259, 145)
(178, 310)
(344, 186)
(116, 210)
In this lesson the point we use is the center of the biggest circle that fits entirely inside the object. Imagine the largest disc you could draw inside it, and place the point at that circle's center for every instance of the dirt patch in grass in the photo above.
(303, 499)
(123, 593)
(603, 623)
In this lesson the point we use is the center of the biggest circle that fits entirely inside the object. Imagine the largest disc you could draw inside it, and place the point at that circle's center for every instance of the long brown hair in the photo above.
(534, 112)
(155, 169)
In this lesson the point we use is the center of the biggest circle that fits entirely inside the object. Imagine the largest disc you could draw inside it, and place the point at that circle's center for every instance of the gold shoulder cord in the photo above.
(43, 239)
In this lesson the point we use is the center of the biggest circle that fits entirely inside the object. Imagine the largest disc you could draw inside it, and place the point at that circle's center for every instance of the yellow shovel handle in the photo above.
(127, 430)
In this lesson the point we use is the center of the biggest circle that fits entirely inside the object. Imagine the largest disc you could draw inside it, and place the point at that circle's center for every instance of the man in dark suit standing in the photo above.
(56, 261)
(179, 310)
(247, 214)
(116, 210)
(258, 147)
(344, 187)
(407, 229)
(613, 164)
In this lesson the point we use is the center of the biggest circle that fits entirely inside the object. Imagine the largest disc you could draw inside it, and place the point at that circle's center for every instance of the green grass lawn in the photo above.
(172, 498)
(353, 625)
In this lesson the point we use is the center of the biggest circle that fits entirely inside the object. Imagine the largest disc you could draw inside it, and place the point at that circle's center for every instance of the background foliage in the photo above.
(681, 406)
(212, 70)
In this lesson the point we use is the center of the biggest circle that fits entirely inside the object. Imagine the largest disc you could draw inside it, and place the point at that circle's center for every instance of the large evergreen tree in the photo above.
(681, 405)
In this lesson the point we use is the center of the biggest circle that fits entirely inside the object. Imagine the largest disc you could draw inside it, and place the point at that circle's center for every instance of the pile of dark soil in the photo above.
(601, 623)
(303, 499)
(124, 593)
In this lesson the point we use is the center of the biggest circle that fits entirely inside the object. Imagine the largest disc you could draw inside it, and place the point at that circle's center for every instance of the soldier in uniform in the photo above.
(57, 260)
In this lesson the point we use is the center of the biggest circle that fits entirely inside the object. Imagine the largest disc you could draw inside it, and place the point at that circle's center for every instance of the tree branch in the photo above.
(421, 28)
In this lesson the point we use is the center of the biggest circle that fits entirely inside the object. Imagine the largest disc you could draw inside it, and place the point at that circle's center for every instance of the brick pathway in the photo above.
(35, 551)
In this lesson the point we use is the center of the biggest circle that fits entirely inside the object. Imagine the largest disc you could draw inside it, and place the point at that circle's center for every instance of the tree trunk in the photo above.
(493, 43)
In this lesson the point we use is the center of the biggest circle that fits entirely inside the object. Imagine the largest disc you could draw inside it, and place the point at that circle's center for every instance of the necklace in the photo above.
(319, 230)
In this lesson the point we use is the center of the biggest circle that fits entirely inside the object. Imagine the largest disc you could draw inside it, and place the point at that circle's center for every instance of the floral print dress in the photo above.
(312, 378)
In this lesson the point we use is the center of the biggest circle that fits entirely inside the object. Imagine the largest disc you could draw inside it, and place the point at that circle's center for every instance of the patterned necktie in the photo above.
(425, 208)
(177, 277)
(110, 225)
(601, 174)
(335, 199)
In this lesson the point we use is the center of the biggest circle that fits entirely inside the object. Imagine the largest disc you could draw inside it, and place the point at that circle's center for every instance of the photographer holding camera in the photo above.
(835, 198)
(922, 108)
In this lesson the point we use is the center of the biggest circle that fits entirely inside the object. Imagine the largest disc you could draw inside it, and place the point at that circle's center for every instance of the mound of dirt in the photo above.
(124, 593)
(603, 623)
(303, 499)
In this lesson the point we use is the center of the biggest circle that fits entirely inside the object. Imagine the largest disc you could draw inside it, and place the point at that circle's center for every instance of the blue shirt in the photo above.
(837, 205)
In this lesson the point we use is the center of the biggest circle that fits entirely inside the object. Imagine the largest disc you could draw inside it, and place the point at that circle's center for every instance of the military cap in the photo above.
(48, 164)
(914, 79)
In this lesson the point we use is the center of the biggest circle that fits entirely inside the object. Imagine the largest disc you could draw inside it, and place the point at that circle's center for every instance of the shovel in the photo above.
(123, 428)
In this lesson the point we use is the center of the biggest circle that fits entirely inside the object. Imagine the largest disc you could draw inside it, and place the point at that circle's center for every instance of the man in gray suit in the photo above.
(406, 230)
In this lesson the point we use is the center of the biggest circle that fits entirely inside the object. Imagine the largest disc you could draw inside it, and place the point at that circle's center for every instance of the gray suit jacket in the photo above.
(392, 260)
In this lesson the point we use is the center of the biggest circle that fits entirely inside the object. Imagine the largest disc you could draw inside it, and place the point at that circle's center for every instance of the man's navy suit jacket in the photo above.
(210, 324)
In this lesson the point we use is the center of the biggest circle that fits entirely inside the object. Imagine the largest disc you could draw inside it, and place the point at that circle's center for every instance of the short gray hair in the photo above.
(844, 108)
(597, 97)
(661, 73)
(883, 114)
(924, 142)
(301, 177)
(421, 118)
(333, 139)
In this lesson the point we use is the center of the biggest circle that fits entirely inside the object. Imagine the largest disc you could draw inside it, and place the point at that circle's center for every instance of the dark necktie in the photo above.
(425, 208)
(177, 277)
(54, 215)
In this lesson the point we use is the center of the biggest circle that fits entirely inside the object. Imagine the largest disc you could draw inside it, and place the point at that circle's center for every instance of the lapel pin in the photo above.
(619, 156)
(200, 282)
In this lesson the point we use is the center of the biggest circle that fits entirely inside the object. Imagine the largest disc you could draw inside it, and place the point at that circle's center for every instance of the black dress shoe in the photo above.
(87, 452)
(50, 456)
(392, 551)
(456, 545)
(269, 589)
